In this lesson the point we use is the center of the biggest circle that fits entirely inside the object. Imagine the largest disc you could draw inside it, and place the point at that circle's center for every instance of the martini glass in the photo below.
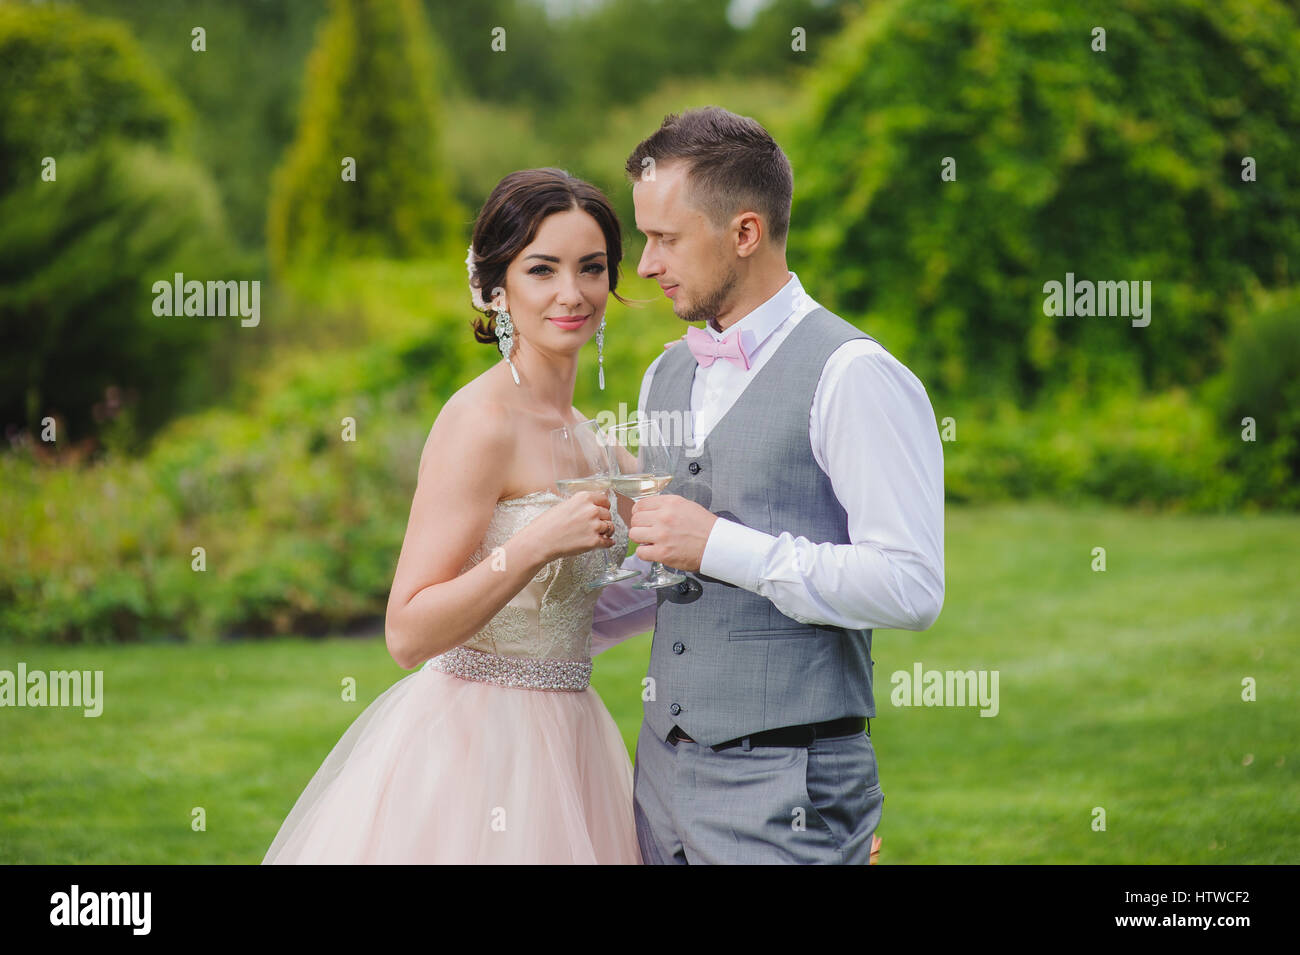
(643, 469)
(581, 456)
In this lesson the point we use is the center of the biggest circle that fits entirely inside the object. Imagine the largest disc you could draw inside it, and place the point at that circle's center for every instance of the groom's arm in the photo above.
(873, 432)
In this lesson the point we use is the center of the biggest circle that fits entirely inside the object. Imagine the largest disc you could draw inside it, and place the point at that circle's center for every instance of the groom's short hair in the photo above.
(733, 163)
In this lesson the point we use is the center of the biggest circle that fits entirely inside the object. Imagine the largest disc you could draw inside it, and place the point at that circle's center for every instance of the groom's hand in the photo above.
(671, 530)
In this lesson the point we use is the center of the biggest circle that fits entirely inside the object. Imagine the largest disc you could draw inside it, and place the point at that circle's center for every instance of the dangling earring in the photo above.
(506, 338)
(600, 351)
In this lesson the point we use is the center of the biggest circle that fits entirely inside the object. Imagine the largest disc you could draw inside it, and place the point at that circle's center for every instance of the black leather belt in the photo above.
(785, 735)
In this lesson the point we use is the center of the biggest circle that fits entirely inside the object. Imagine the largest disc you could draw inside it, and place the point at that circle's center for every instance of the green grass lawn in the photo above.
(1119, 689)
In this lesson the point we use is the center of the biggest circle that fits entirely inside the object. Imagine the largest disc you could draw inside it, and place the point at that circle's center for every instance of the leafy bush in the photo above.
(300, 529)
(1159, 450)
(79, 252)
(78, 259)
(71, 81)
(1261, 382)
(1116, 165)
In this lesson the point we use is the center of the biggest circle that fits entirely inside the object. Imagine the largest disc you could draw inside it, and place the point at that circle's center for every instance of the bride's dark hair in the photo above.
(509, 221)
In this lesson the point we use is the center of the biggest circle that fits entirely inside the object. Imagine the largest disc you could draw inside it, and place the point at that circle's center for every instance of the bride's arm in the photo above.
(430, 608)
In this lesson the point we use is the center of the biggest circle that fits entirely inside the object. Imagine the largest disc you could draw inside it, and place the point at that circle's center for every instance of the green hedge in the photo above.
(1161, 449)
(1116, 165)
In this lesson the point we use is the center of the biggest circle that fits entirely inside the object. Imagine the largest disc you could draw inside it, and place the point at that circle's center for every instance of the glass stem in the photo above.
(610, 566)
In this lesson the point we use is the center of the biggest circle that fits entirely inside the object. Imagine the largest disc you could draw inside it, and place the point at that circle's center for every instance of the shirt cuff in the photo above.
(735, 553)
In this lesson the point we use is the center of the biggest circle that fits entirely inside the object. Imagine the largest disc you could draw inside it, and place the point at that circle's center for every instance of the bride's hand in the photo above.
(574, 526)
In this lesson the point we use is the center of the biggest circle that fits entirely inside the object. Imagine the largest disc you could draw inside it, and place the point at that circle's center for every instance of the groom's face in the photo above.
(684, 252)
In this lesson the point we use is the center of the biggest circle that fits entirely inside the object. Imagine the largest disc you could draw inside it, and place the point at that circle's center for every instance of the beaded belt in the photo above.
(525, 672)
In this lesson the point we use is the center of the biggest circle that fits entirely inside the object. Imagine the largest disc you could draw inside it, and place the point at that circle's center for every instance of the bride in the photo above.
(496, 750)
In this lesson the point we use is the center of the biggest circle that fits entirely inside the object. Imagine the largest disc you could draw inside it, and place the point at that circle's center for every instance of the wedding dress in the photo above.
(498, 751)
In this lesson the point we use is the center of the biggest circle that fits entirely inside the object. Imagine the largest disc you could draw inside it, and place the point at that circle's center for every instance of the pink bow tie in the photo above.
(708, 349)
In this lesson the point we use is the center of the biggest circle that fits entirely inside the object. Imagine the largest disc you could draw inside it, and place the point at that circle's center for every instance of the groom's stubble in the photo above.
(707, 307)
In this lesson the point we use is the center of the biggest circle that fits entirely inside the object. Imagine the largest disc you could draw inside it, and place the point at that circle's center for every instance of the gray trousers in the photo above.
(765, 804)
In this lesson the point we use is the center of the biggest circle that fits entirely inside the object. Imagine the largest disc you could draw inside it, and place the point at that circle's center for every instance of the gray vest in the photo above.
(724, 661)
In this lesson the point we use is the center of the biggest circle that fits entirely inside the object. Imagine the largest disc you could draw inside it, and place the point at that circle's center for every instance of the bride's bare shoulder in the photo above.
(474, 430)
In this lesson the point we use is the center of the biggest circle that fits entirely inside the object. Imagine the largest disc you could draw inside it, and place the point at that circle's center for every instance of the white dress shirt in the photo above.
(873, 432)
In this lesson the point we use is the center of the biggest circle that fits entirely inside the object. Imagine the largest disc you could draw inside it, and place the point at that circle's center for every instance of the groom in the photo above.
(806, 511)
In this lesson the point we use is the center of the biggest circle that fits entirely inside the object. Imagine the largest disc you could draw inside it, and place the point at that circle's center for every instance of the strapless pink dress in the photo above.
(498, 751)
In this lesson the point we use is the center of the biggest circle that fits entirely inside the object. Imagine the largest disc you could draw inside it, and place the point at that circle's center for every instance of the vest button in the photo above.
(679, 647)
(674, 709)
(694, 467)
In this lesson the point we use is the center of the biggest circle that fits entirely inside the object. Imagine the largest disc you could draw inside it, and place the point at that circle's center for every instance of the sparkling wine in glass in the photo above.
(643, 469)
(581, 458)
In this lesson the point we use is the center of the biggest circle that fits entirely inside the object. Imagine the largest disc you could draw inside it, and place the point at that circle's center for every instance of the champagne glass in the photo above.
(582, 462)
(643, 469)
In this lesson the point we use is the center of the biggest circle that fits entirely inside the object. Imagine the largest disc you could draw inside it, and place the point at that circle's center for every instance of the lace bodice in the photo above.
(551, 617)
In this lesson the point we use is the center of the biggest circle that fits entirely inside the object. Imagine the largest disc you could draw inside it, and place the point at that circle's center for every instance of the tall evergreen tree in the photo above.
(370, 98)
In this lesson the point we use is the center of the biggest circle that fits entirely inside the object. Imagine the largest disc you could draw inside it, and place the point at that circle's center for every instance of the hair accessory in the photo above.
(505, 328)
(475, 293)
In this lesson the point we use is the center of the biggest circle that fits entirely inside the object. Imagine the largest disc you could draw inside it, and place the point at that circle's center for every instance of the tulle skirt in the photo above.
(440, 769)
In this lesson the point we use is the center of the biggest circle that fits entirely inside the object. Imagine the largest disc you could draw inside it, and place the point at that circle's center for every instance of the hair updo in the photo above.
(510, 218)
